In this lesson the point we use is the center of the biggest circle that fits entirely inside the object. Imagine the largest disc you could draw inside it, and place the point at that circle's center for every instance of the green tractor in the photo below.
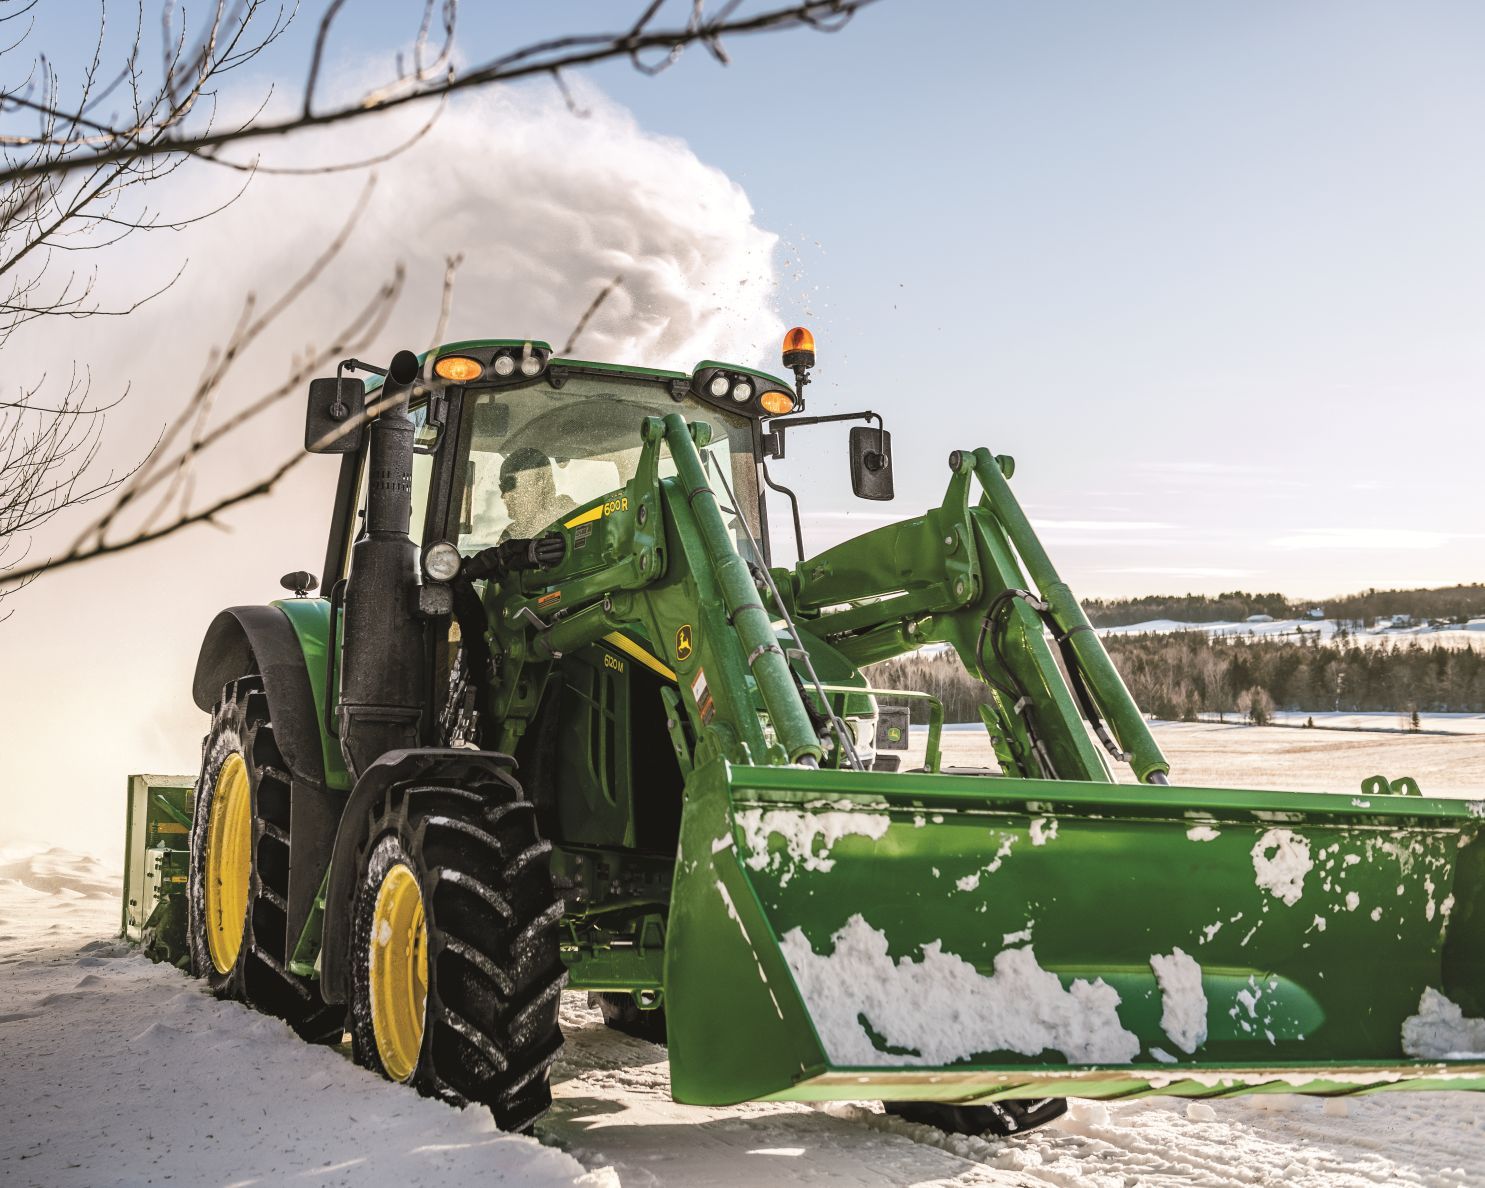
(566, 720)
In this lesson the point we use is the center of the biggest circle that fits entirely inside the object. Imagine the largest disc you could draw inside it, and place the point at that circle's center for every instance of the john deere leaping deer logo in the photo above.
(683, 642)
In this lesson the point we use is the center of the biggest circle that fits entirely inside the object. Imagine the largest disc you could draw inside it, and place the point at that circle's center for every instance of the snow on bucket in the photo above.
(964, 938)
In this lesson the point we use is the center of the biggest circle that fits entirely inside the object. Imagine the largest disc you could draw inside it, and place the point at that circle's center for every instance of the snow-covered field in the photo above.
(1394, 722)
(1232, 755)
(117, 1071)
(1471, 634)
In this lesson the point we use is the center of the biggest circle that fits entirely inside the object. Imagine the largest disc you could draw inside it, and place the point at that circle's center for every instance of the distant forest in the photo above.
(1185, 674)
(1454, 604)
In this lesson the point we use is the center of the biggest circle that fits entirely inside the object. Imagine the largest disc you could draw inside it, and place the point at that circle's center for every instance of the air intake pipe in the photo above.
(381, 663)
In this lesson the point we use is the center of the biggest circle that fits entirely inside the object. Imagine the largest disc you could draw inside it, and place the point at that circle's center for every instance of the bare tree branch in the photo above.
(152, 134)
(76, 177)
(582, 322)
(159, 489)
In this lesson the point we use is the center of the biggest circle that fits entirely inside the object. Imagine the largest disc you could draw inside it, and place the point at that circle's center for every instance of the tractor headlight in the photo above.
(742, 392)
(503, 365)
(530, 365)
(719, 385)
(441, 561)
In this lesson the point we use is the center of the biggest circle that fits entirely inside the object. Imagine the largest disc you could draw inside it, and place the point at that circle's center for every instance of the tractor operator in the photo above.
(530, 492)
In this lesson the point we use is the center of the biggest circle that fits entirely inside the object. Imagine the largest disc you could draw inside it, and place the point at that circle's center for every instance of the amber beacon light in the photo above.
(799, 349)
(799, 357)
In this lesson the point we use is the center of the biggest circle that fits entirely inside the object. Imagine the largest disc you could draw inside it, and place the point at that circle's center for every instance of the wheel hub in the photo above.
(229, 861)
(399, 971)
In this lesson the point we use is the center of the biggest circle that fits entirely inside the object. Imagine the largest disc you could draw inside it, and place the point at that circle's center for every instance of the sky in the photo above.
(1211, 273)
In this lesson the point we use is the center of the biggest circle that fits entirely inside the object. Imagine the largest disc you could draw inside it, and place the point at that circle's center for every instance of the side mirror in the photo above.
(336, 416)
(871, 463)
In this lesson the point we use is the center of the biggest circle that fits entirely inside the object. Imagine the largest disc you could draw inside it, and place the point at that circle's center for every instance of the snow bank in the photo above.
(942, 1009)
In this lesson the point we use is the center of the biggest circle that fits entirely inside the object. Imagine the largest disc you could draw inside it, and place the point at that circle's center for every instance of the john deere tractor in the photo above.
(566, 718)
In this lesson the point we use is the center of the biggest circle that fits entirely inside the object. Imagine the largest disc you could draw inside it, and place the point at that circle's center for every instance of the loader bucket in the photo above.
(848, 935)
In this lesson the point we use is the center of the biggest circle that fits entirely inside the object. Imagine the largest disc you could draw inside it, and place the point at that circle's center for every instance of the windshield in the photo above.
(537, 453)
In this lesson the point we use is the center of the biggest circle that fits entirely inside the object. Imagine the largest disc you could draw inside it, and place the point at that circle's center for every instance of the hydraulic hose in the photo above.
(1103, 679)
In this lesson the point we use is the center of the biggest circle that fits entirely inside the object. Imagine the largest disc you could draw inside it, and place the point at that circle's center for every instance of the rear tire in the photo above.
(998, 1119)
(488, 963)
(239, 869)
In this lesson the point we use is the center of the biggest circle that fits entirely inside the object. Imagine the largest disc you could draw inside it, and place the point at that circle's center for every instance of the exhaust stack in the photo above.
(382, 648)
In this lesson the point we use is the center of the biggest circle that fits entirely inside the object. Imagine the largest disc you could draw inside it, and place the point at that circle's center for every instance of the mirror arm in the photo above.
(778, 424)
(793, 505)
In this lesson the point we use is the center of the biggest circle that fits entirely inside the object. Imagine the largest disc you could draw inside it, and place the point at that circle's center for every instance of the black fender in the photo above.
(260, 639)
(353, 838)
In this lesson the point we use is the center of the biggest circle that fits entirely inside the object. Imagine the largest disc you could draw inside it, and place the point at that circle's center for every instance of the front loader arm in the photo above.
(656, 558)
(954, 575)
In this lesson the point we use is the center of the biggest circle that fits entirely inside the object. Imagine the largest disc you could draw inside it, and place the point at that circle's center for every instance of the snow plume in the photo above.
(547, 209)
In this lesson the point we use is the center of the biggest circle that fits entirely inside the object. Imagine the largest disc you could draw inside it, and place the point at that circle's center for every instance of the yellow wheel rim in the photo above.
(399, 972)
(229, 862)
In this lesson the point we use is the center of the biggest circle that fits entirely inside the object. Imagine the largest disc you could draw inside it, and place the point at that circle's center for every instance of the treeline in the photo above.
(1232, 607)
(1183, 675)
(1444, 603)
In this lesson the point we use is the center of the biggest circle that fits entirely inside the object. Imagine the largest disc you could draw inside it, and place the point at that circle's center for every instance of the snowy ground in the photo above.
(1469, 635)
(1394, 722)
(116, 1071)
(119, 1071)
(1232, 755)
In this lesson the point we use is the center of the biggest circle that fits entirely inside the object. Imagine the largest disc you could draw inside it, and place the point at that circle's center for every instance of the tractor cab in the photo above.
(513, 445)
(527, 439)
(510, 441)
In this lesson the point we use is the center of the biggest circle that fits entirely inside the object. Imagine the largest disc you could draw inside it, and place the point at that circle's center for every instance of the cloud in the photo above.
(1200, 468)
(1056, 526)
(855, 517)
(1377, 539)
(1180, 571)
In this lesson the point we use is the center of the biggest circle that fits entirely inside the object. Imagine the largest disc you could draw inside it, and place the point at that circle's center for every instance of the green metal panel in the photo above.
(594, 791)
(310, 618)
(954, 938)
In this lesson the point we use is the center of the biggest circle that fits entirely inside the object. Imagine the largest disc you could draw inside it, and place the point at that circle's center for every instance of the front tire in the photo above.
(237, 881)
(998, 1119)
(456, 969)
(621, 1013)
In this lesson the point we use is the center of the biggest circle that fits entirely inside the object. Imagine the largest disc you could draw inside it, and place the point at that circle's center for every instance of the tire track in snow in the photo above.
(612, 1108)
